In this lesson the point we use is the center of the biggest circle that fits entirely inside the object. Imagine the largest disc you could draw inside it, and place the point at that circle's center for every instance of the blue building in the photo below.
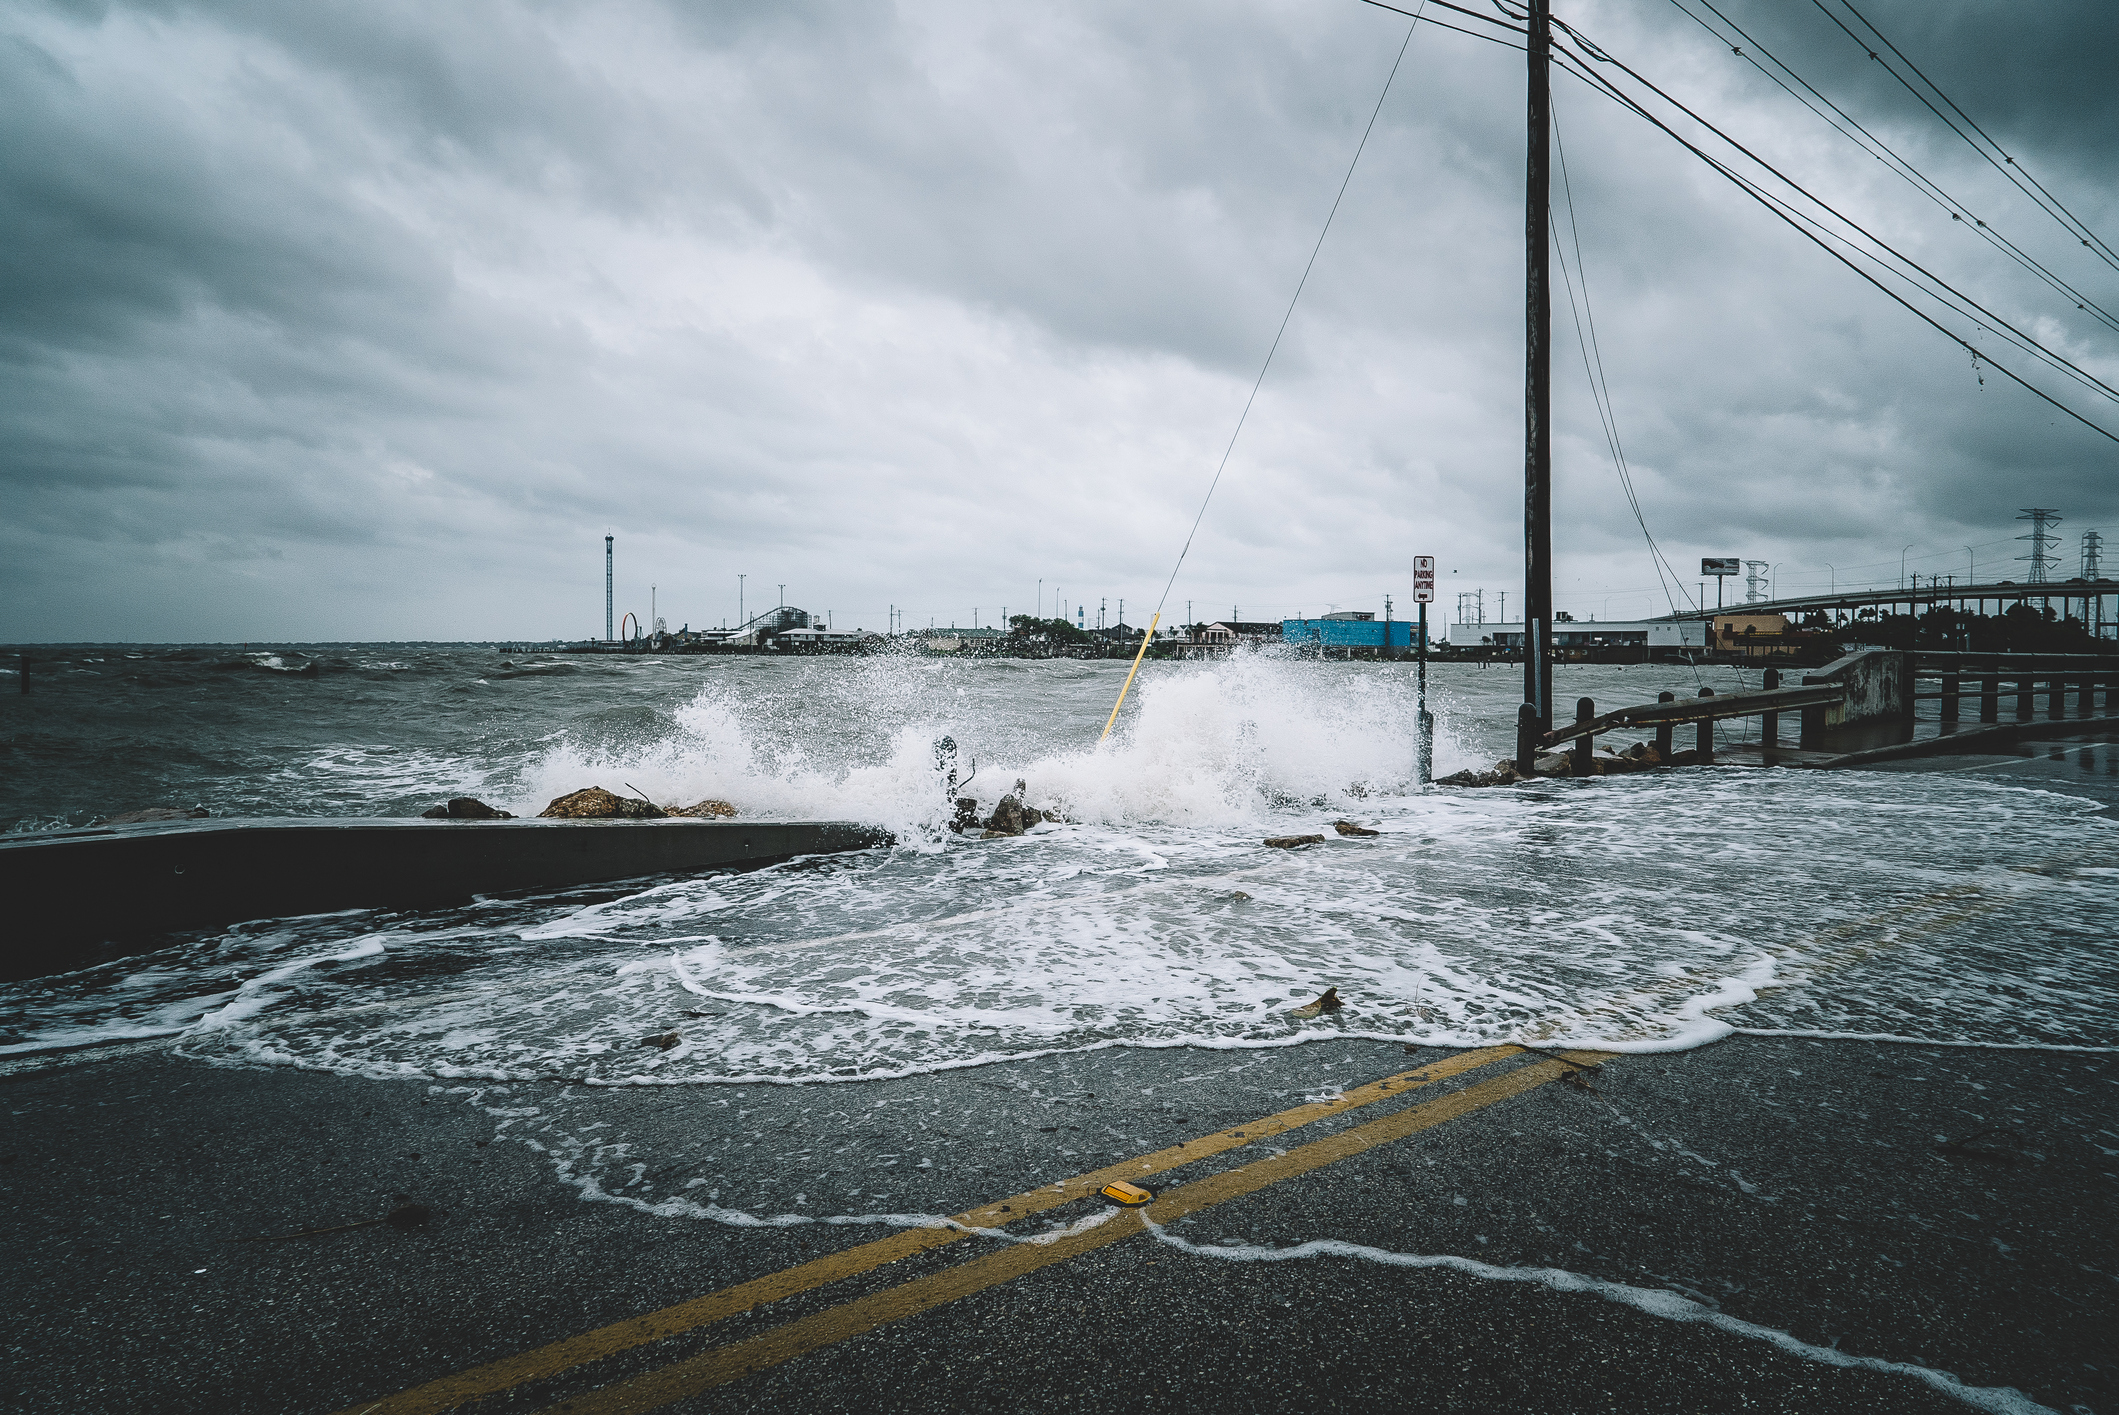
(1349, 630)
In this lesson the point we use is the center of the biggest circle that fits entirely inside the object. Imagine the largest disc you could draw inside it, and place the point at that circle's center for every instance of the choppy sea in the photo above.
(1642, 912)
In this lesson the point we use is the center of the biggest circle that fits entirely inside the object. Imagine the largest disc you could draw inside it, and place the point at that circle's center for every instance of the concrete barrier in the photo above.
(1877, 706)
(77, 895)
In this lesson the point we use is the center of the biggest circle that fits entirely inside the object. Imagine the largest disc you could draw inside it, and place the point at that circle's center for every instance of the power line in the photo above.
(1574, 65)
(2008, 166)
(1259, 381)
(1840, 120)
(1483, 19)
(1944, 293)
(1593, 366)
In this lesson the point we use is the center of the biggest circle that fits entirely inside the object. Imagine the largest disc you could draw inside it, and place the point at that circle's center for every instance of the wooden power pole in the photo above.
(1537, 388)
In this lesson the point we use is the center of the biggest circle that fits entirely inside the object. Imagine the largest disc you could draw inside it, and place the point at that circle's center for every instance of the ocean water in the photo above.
(1641, 913)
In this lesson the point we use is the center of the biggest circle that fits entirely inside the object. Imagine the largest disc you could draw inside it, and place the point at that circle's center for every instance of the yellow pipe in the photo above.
(1146, 639)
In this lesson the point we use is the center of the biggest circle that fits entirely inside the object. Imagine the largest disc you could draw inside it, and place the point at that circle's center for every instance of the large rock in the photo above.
(708, 809)
(595, 803)
(1291, 842)
(1503, 774)
(466, 808)
(154, 813)
(1011, 818)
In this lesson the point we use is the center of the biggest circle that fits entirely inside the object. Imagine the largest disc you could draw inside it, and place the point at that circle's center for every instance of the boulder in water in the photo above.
(152, 814)
(1010, 818)
(1349, 828)
(595, 803)
(465, 808)
(1327, 1001)
(708, 809)
(1289, 842)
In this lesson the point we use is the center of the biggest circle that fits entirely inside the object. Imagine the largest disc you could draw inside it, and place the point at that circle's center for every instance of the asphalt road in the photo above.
(1793, 1184)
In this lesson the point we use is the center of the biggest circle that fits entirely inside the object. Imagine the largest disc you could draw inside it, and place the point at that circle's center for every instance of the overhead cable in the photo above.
(1944, 292)
(1289, 313)
(2007, 165)
(1439, 24)
(1841, 121)
(1579, 69)
(1593, 367)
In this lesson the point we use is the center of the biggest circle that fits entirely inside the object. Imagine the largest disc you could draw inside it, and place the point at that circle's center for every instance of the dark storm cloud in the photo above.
(327, 320)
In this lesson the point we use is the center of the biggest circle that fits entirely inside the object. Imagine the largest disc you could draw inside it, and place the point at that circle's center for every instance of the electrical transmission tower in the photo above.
(2092, 543)
(1755, 581)
(2041, 558)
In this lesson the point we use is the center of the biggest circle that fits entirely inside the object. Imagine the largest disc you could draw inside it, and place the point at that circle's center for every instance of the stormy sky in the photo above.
(328, 321)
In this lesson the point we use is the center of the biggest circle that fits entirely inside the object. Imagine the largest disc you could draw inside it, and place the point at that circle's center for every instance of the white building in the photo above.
(1588, 633)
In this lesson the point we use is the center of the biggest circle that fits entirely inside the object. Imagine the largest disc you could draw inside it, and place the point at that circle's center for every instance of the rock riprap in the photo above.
(595, 803)
(466, 808)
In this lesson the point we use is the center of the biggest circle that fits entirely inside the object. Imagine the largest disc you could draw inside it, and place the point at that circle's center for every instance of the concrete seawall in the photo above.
(72, 894)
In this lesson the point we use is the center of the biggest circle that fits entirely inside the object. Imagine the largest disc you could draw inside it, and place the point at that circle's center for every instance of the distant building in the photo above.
(1593, 633)
(1230, 632)
(955, 640)
(1350, 629)
(1753, 635)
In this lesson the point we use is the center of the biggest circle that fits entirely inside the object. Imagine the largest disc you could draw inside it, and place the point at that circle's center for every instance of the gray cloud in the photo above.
(324, 321)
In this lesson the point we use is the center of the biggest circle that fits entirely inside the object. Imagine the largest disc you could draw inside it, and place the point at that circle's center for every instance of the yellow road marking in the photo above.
(721, 1365)
(547, 1361)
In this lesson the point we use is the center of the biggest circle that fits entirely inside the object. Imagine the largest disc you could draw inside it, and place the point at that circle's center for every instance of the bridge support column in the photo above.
(1769, 723)
(2056, 696)
(1662, 731)
(2023, 700)
(1949, 698)
(1585, 709)
(1990, 699)
(1705, 744)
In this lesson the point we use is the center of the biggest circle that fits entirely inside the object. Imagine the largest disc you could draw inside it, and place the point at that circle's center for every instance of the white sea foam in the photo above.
(1641, 913)
(1655, 1302)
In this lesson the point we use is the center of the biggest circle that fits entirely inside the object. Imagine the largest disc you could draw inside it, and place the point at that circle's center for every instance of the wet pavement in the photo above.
(1808, 1187)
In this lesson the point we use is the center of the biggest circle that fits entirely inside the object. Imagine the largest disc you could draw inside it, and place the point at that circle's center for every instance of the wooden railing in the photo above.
(1992, 679)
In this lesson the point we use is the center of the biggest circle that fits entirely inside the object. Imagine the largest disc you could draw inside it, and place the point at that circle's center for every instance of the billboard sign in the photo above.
(1424, 579)
(1721, 565)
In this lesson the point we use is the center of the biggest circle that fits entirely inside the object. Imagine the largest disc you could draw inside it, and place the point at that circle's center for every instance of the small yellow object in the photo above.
(1131, 1196)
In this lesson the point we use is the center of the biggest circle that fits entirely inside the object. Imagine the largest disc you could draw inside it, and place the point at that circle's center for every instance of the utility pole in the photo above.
(1535, 717)
(740, 620)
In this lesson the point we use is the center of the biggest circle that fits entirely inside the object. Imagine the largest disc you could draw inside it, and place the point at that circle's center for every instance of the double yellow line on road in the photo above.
(727, 1363)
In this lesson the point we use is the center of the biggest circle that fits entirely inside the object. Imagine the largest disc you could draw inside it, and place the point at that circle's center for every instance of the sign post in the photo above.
(1424, 593)
(1721, 567)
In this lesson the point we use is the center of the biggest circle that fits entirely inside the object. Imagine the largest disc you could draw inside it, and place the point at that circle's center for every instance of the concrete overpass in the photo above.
(1999, 593)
